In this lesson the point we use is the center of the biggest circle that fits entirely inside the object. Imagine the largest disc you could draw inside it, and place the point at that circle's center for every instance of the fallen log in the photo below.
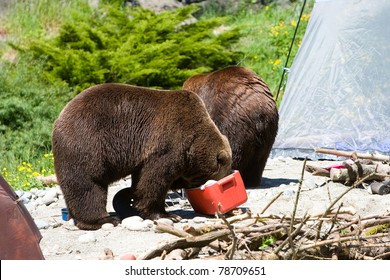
(47, 180)
(376, 157)
(354, 172)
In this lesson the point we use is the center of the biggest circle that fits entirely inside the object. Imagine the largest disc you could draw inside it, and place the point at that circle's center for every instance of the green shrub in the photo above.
(28, 109)
(136, 46)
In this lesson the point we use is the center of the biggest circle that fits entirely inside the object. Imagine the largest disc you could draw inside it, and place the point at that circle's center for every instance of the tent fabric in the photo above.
(338, 89)
(19, 235)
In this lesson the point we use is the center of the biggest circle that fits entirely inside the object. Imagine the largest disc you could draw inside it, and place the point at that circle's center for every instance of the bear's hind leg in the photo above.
(86, 202)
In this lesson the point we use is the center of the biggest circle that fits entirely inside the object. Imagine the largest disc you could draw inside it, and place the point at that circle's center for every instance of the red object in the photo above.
(128, 256)
(227, 193)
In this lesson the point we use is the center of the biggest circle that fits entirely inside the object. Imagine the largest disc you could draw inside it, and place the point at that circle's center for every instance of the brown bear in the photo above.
(164, 138)
(242, 106)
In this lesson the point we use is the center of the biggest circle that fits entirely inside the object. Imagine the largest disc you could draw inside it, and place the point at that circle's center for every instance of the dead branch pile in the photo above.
(335, 234)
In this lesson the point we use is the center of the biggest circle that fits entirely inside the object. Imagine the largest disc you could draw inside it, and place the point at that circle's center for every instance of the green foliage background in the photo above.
(54, 49)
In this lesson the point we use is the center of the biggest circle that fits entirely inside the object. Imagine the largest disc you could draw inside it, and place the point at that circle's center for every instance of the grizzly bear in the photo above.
(165, 139)
(242, 106)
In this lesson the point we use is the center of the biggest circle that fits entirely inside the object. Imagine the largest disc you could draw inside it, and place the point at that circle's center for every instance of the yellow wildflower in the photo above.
(305, 17)
(293, 23)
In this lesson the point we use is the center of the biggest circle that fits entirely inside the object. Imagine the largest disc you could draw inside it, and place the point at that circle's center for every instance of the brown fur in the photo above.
(164, 139)
(242, 107)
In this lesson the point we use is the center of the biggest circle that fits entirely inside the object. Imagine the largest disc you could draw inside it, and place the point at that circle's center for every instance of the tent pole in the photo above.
(289, 51)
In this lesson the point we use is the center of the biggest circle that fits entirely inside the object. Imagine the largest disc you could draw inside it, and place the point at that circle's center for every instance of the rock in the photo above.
(107, 226)
(158, 5)
(50, 197)
(19, 193)
(165, 221)
(58, 190)
(87, 238)
(136, 223)
(148, 223)
(41, 224)
(32, 206)
(137, 226)
(34, 191)
(40, 193)
(199, 220)
(25, 198)
(132, 219)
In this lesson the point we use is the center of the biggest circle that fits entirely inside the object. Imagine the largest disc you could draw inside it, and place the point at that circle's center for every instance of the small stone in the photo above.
(24, 199)
(41, 224)
(107, 226)
(58, 190)
(87, 238)
(199, 220)
(48, 200)
(34, 191)
(148, 223)
(50, 197)
(19, 193)
(32, 206)
(41, 193)
(132, 219)
(137, 226)
(165, 221)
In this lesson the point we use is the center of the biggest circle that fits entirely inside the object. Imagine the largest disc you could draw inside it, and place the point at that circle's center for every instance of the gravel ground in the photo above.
(63, 241)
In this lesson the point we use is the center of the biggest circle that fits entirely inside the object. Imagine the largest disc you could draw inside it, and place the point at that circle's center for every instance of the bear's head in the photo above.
(209, 158)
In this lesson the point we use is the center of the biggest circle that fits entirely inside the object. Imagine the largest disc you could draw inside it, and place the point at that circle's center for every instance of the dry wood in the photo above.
(339, 153)
(47, 180)
(243, 236)
(183, 243)
(317, 171)
(354, 172)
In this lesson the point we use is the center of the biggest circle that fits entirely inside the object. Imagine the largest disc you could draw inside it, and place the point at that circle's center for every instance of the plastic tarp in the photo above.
(338, 89)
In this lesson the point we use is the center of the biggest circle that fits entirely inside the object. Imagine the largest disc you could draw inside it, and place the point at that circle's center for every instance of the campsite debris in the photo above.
(380, 188)
(371, 167)
(270, 237)
(353, 155)
(333, 234)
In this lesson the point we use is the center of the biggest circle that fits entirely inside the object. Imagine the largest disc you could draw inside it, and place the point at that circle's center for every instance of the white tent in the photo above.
(338, 89)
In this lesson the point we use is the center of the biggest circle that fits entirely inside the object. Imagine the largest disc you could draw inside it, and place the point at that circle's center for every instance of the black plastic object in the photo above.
(380, 188)
(123, 203)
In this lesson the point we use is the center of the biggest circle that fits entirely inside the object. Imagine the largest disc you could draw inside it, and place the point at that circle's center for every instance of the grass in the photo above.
(25, 151)
(266, 38)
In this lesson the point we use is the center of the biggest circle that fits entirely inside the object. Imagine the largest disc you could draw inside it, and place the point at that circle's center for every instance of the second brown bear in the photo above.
(242, 106)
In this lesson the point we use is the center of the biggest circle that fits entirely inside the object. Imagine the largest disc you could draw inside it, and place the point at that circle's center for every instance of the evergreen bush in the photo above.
(136, 46)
